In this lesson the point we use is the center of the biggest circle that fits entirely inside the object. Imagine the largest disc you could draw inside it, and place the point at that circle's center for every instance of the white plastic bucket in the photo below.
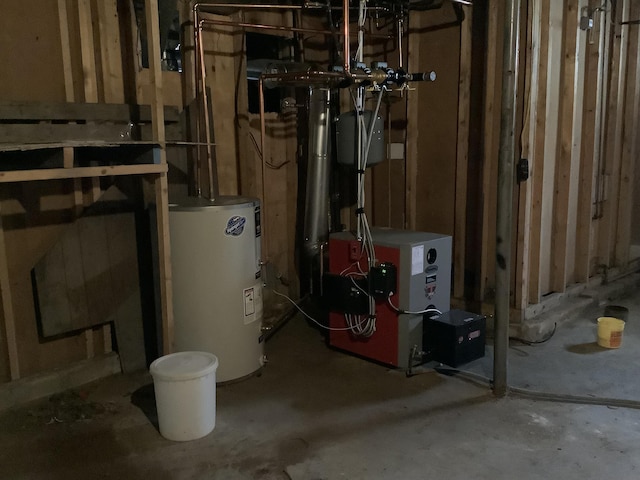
(610, 332)
(185, 386)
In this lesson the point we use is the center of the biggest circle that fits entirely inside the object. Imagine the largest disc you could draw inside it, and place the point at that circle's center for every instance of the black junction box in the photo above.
(345, 294)
(454, 338)
(384, 279)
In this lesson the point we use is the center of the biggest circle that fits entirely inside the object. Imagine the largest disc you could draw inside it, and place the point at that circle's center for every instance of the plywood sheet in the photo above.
(90, 276)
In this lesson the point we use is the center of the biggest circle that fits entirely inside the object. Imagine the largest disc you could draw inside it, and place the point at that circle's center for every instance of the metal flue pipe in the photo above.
(506, 176)
(316, 218)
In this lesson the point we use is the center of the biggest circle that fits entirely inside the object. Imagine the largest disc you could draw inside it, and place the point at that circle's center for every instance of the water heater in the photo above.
(217, 290)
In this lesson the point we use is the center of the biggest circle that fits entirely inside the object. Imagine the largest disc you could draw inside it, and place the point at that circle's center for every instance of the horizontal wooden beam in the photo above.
(25, 147)
(48, 383)
(93, 112)
(46, 132)
(80, 172)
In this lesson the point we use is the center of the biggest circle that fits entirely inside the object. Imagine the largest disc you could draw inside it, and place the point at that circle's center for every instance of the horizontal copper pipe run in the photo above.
(328, 79)
(282, 28)
(264, 6)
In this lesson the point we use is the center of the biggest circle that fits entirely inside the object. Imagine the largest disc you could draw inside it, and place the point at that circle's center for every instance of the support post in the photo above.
(506, 163)
(160, 181)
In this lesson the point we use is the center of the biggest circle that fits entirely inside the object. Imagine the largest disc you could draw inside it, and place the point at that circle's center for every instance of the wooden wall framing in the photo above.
(581, 106)
(77, 46)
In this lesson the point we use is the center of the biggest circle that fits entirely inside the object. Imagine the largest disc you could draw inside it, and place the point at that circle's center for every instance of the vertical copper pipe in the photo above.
(263, 155)
(347, 47)
(213, 193)
(196, 69)
(400, 34)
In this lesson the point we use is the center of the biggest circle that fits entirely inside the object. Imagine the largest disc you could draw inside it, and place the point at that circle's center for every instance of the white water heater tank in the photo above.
(217, 289)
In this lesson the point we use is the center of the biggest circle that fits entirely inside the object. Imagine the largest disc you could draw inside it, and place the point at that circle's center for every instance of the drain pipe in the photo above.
(506, 173)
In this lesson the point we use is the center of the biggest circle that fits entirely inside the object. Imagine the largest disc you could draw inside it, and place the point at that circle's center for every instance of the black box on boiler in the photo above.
(455, 337)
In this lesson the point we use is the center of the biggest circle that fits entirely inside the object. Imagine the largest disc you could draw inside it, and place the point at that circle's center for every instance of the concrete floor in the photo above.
(314, 413)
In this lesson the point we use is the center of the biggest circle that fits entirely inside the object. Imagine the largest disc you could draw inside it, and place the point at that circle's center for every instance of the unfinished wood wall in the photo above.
(61, 51)
(579, 120)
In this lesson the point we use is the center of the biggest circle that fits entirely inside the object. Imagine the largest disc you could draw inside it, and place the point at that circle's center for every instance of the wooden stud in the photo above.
(592, 121)
(576, 143)
(629, 148)
(63, 18)
(411, 140)
(88, 52)
(220, 65)
(537, 158)
(110, 49)
(635, 196)
(615, 131)
(68, 152)
(7, 307)
(89, 69)
(161, 185)
(462, 154)
(155, 79)
(567, 164)
(493, 89)
(527, 141)
(550, 155)
(248, 154)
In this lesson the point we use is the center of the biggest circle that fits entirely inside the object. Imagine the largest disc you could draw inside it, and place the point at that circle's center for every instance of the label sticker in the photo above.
(235, 226)
(249, 302)
(417, 260)
(258, 225)
(252, 299)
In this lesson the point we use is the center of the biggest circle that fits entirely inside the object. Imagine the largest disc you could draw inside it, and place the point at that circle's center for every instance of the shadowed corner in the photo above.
(145, 399)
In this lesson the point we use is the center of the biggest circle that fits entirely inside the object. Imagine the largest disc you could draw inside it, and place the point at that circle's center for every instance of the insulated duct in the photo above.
(316, 218)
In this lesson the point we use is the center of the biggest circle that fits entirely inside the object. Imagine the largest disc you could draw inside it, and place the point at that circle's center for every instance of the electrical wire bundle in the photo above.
(363, 325)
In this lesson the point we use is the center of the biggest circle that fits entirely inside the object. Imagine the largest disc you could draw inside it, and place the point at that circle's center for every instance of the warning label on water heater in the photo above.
(252, 298)
(249, 302)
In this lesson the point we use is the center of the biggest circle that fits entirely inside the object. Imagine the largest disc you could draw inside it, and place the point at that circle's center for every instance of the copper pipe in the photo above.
(330, 79)
(264, 6)
(207, 121)
(400, 34)
(282, 28)
(347, 47)
(263, 156)
(196, 61)
(243, 6)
